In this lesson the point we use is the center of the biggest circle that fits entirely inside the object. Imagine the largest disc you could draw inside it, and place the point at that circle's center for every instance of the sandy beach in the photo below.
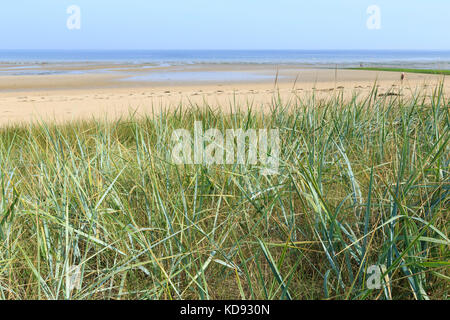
(71, 91)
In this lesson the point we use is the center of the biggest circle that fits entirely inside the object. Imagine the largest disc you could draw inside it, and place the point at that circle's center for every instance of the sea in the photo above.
(313, 58)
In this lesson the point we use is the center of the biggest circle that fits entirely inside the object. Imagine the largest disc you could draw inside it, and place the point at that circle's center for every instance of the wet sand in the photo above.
(64, 92)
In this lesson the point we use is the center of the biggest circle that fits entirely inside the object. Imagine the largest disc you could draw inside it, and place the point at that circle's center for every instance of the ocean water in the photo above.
(317, 58)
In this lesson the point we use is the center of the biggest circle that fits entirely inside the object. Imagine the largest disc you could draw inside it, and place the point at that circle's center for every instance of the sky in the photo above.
(226, 24)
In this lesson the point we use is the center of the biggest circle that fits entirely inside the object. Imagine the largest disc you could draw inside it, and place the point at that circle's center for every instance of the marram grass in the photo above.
(361, 183)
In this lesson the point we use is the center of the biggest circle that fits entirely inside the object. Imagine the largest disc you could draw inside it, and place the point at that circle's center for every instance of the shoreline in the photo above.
(66, 97)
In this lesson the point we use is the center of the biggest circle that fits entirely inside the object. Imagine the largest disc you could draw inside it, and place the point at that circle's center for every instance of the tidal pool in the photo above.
(200, 76)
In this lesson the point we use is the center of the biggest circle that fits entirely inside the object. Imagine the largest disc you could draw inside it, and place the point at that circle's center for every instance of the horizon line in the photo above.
(141, 49)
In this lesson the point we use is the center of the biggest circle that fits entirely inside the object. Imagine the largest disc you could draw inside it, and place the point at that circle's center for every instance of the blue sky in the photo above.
(225, 24)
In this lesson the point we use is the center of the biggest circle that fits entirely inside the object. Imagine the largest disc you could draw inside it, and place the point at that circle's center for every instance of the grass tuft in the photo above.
(94, 210)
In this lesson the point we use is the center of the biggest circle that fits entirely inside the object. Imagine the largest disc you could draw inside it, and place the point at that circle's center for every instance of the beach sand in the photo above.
(110, 91)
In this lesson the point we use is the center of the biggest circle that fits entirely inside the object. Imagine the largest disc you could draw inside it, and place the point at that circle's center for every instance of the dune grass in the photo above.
(95, 210)
(423, 71)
